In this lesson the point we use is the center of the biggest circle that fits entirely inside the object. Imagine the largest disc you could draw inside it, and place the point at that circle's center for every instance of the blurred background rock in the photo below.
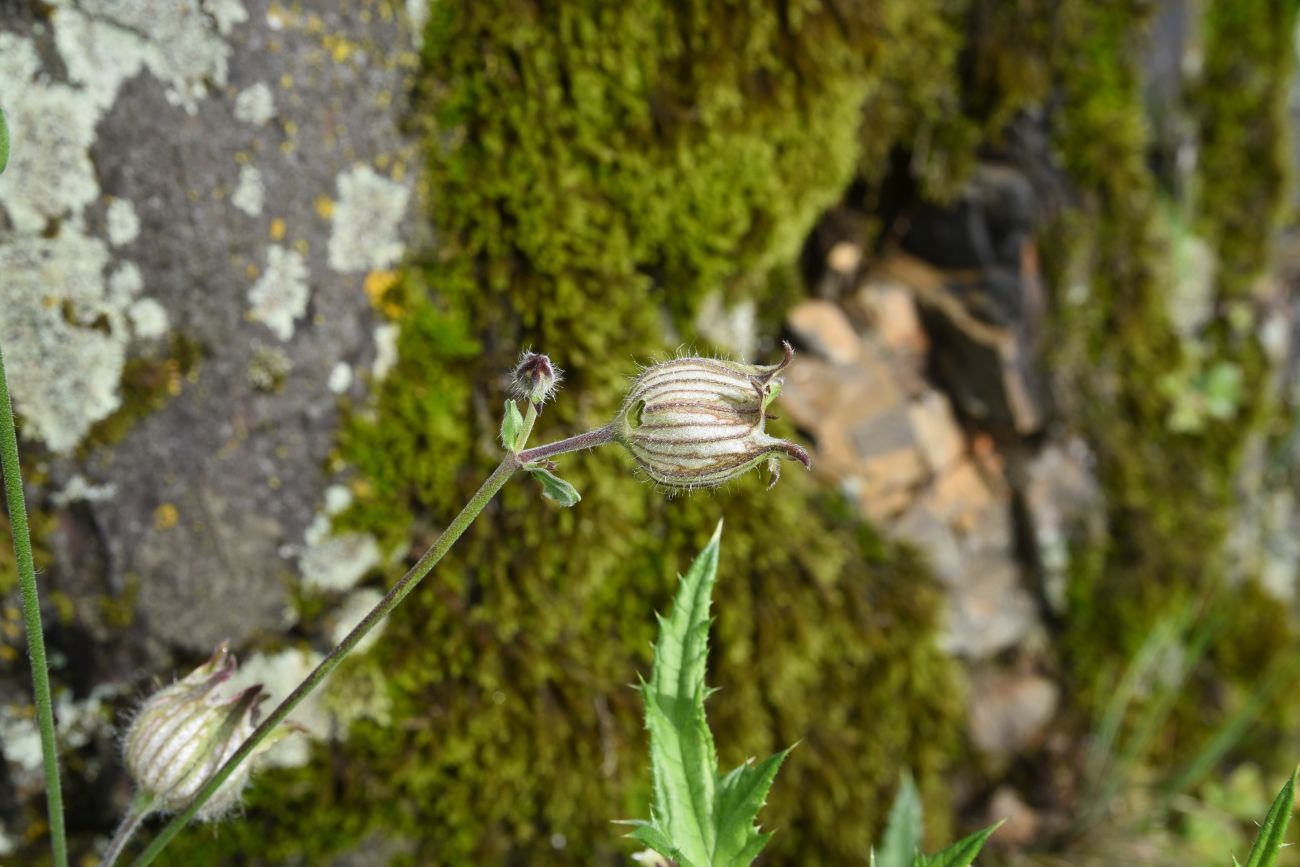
(264, 264)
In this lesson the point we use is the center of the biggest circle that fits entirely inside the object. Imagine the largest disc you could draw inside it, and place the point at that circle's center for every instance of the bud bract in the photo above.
(697, 422)
(535, 378)
(184, 733)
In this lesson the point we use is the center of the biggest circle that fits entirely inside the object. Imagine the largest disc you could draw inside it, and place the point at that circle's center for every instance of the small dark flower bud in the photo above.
(697, 422)
(535, 378)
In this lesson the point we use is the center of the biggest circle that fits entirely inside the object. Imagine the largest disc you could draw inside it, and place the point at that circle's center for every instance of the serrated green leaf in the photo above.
(556, 488)
(4, 141)
(649, 835)
(741, 794)
(959, 854)
(1272, 834)
(903, 830)
(512, 424)
(682, 756)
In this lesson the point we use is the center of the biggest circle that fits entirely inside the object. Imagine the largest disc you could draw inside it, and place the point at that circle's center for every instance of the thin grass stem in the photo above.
(13, 480)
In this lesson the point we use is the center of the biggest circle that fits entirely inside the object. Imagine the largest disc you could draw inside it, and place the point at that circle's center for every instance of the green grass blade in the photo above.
(4, 141)
(903, 830)
(1272, 834)
(32, 616)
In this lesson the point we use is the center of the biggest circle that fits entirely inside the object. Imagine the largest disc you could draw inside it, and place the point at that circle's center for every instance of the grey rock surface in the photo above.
(202, 199)
(234, 173)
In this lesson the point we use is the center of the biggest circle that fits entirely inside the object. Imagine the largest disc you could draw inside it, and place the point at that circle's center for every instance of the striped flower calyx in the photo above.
(697, 422)
(184, 733)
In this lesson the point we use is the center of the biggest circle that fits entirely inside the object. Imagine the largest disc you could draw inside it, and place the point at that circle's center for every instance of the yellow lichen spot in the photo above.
(12, 612)
(193, 195)
(290, 128)
(277, 229)
(286, 147)
(383, 99)
(273, 483)
(377, 283)
(166, 516)
(302, 246)
(399, 171)
(7, 653)
(382, 161)
(324, 207)
(242, 158)
(286, 82)
(251, 271)
(13, 631)
(339, 47)
(314, 24)
(361, 488)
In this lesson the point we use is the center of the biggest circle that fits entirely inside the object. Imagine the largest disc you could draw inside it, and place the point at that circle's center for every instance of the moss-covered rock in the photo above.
(1167, 468)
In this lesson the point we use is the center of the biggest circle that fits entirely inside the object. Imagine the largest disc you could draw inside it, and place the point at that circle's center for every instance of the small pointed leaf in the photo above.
(1272, 834)
(903, 830)
(512, 424)
(649, 835)
(556, 488)
(961, 853)
(741, 794)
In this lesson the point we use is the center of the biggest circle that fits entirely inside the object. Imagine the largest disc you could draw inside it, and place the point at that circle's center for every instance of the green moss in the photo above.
(1244, 176)
(148, 383)
(1169, 488)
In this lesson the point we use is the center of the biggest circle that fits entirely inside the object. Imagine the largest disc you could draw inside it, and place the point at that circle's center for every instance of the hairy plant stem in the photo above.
(588, 440)
(131, 823)
(408, 582)
(32, 617)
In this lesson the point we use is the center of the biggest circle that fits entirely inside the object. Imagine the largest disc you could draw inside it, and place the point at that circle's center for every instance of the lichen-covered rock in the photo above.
(173, 325)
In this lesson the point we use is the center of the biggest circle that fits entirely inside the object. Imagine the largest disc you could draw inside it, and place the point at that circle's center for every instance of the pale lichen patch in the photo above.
(250, 191)
(335, 562)
(385, 350)
(64, 336)
(340, 377)
(125, 283)
(105, 42)
(50, 174)
(280, 295)
(122, 223)
(148, 319)
(79, 490)
(255, 104)
(364, 234)
(227, 13)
